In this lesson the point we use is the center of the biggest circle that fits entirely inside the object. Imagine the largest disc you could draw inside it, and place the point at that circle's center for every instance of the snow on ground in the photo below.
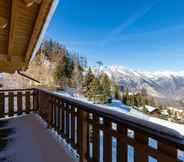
(116, 105)
(33, 142)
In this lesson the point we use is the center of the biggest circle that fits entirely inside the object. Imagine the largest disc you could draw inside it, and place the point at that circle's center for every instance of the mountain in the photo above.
(167, 86)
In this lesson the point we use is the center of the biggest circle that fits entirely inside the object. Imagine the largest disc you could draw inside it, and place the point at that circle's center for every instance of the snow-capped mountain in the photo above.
(161, 84)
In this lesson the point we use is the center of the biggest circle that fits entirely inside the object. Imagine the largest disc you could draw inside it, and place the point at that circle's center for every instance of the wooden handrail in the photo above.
(22, 89)
(133, 122)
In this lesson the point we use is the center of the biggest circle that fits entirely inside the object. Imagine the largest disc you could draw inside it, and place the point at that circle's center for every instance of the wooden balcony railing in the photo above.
(18, 101)
(97, 134)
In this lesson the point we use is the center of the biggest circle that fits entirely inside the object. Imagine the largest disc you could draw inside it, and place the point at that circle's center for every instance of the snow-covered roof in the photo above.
(150, 108)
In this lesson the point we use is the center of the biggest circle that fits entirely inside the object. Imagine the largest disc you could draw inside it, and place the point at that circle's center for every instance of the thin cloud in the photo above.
(120, 28)
(173, 29)
(83, 43)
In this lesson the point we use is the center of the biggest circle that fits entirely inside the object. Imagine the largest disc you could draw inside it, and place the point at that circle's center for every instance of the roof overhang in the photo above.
(22, 24)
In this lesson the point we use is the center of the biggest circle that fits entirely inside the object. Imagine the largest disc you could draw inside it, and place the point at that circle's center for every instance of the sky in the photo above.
(138, 34)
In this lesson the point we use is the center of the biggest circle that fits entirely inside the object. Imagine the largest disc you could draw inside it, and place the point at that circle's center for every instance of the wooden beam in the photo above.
(29, 3)
(3, 22)
(41, 19)
(12, 29)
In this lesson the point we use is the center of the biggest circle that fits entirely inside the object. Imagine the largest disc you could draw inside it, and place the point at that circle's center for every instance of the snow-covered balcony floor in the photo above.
(31, 141)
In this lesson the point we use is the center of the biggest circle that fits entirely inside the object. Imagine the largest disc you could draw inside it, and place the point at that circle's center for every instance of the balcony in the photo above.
(95, 134)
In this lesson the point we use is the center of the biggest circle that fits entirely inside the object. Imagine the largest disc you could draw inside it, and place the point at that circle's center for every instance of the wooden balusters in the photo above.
(19, 103)
(35, 101)
(58, 116)
(166, 153)
(107, 141)
(61, 113)
(8, 99)
(54, 112)
(82, 134)
(96, 139)
(66, 123)
(10, 103)
(67, 120)
(62, 118)
(141, 143)
(28, 104)
(122, 151)
(73, 124)
(2, 105)
(50, 113)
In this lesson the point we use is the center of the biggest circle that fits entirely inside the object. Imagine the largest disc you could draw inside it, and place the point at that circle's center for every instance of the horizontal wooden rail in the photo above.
(91, 130)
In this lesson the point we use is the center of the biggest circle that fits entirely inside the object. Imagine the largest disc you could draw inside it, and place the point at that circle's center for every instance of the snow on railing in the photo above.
(91, 130)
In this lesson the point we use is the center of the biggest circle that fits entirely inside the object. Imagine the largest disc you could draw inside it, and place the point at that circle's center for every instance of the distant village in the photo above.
(142, 102)
(170, 113)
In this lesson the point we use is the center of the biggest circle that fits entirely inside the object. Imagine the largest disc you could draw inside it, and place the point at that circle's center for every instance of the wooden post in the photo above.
(82, 134)
(73, 124)
(54, 109)
(58, 116)
(67, 120)
(122, 150)
(96, 139)
(62, 118)
(107, 144)
(166, 153)
(141, 141)
(10, 103)
(19, 103)
(28, 102)
(50, 113)
(2, 101)
(35, 100)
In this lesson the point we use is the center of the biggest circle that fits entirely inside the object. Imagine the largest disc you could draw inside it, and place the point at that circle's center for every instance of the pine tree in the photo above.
(106, 87)
(131, 100)
(146, 101)
(95, 90)
(125, 98)
(144, 92)
(59, 72)
(63, 71)
(152, 101)
(140, 101)
(136, 102)
(76, 73)
(89, 77)
(117, 92)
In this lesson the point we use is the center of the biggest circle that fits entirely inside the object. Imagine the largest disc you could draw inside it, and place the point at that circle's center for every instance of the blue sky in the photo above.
(139, 34)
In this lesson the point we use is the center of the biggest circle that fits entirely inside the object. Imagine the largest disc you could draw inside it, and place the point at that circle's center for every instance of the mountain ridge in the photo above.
(163, 85)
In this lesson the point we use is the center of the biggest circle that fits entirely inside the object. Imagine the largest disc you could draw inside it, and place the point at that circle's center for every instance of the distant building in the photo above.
(165, 112)
(177, 113)
(151, 110)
